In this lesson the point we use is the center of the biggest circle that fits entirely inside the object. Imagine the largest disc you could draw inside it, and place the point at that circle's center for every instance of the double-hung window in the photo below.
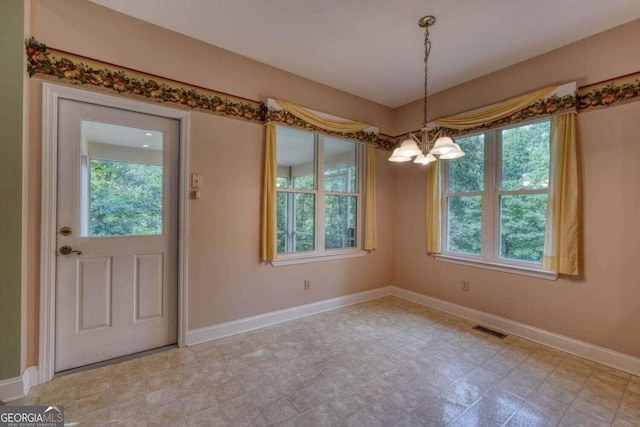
(495, 197)
(318, 190)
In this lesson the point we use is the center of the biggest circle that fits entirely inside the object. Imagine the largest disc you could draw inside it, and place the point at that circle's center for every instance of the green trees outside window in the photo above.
(125, 198)
(317, 186)
(498, 193)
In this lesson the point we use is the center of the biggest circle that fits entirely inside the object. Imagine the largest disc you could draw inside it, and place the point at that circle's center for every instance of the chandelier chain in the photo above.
(427, 50)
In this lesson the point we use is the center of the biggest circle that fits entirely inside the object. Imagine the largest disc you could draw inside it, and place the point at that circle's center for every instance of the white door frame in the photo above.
(51, 93)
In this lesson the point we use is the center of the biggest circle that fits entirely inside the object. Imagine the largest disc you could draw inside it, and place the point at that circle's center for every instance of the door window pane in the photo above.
(522, 224)
(295, 151)
(466, 174)
(464, 224)
(525, 157)
(340, 222)
(122, 180)
(339, 165)
(126, 199)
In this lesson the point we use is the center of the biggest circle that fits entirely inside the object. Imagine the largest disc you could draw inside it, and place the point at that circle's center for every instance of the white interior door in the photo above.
(117, 222)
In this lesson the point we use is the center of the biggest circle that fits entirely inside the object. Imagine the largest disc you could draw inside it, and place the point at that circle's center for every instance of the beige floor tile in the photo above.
(624, 421)
(532, 416)
(321, 415)
(566, 382)
(94, 418)
(366, 365)
(387, 412)
(127, 409)
(363, 418)
(499, 411)
(634, 384)
(128, 392)
(210, 417)
(137, 421)
(199, 401)
(91, 403)
(250, 419)
(472, 418)
(409, 422)
(159, 381)
(162, 396)
(169, 414)
(573, 418)
(238, 406)
(407, 400)
(95, 386)
(438, 411)
(278, 412)
(345, 405)
(462, 394)
(630, 406)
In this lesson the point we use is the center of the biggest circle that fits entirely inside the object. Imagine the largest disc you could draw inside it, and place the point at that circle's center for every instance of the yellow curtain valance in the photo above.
(344, 126)
(491, 113)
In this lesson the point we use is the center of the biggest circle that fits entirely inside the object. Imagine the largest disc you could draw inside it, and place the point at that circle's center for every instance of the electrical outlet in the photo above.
(307, 285)
(465, 285)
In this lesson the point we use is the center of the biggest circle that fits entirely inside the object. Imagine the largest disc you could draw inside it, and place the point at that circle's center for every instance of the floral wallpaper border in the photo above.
(612, 92)
(54, 65)
(70, 69)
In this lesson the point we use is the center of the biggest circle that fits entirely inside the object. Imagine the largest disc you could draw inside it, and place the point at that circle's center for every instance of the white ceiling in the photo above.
(374, 48)
(124, 136)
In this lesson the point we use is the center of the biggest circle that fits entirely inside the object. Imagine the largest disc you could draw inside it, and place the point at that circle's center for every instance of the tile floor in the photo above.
(386, 362)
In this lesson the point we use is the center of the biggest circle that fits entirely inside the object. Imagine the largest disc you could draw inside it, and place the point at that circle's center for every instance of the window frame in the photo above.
(489, 256)
(320, 253)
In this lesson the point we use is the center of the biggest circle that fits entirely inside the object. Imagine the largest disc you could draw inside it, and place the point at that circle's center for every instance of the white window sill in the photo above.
(315, 257)
(496, 266)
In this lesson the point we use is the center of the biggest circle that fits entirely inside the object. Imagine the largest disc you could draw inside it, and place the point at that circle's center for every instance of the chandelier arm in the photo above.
(435, 138)
(415, 138)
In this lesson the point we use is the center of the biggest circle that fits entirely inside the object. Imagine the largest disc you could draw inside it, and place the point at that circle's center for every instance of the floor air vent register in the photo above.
(490, 332)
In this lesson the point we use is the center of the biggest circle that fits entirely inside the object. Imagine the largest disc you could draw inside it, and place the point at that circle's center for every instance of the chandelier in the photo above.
(425, 150)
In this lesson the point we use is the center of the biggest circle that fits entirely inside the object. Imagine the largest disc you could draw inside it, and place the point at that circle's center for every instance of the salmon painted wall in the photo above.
(226, 280)
(602, 306)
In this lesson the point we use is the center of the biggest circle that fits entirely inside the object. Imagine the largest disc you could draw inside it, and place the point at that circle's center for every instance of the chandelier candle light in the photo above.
(425, 151)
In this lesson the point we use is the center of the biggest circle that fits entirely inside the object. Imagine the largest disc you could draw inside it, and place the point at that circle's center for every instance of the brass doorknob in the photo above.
(68, 250)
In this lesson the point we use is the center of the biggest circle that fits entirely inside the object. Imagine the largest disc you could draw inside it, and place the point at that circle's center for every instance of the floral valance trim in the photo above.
(284, 118)
(70, 69)
(544, 108)
(563, 99)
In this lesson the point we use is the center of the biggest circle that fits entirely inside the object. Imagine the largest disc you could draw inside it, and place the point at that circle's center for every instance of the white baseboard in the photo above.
(11, 389)
(221, 330)
(614, 359)
(18, 387)
(30, 377)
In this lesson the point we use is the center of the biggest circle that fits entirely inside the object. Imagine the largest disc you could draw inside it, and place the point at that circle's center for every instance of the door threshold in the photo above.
(114, 361)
